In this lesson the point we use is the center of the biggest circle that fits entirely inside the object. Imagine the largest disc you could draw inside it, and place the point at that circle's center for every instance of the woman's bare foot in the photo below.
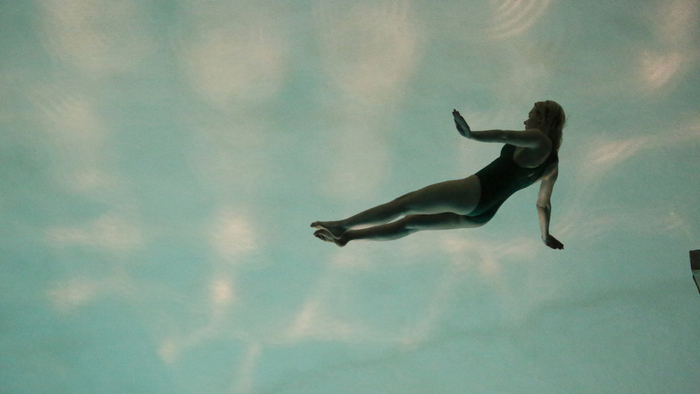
(333, 228)
(326, 235)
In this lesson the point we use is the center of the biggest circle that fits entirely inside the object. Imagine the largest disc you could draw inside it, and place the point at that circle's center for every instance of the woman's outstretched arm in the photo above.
(528, 138)
(544, 208)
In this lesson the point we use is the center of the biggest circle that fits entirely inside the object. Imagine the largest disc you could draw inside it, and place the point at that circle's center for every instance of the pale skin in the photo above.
(445, 205)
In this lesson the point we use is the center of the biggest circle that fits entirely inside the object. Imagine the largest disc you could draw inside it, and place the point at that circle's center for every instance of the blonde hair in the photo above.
(553, 119)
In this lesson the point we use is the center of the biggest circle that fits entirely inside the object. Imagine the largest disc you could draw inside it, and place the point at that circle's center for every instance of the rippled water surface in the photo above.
(161, 161)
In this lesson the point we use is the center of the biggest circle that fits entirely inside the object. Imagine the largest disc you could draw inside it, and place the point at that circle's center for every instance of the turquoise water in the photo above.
(162, 162)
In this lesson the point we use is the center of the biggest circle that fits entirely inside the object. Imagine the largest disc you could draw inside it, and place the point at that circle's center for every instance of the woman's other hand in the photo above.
(553, 242)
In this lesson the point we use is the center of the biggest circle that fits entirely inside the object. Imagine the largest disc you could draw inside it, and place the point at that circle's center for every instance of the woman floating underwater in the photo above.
(527, 157)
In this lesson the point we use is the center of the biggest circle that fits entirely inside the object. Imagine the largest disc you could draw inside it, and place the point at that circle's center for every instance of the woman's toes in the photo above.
(323, 235)
(331, 228)
(326, 235)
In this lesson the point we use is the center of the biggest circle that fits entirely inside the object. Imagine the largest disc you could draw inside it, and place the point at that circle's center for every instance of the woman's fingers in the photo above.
(459, 119)
(554, 243)
(461, 124)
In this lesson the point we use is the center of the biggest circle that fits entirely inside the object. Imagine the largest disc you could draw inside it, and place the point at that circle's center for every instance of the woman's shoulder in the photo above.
(534, 157)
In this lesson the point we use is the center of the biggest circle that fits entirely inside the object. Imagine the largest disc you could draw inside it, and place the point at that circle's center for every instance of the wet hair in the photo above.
(553, 119)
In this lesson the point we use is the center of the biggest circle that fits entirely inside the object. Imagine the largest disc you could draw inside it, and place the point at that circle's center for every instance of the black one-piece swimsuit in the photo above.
(503, 177)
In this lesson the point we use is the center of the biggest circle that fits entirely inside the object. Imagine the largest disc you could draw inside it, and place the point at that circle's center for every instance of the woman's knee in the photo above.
(405, 203)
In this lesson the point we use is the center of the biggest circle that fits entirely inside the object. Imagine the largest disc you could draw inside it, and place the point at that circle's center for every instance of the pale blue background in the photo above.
(161, 162)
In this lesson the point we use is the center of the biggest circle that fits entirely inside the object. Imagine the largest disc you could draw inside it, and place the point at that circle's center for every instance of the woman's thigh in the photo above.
(459, 196)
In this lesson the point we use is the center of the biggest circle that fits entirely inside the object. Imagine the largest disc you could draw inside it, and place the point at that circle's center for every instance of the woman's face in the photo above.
(532, 122)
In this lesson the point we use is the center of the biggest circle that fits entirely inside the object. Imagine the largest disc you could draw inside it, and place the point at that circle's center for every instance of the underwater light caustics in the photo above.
(658, 69)
(99, 37)
(368, 52)
(514, 17)
(233, 235)
(674, 50)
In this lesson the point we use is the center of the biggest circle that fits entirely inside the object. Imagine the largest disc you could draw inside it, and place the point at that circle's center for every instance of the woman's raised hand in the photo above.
(461, 124)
